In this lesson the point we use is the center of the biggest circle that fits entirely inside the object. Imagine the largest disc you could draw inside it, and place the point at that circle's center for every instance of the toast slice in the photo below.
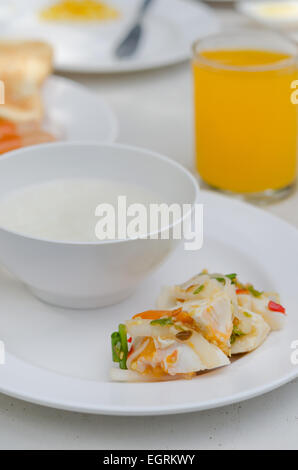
(24, 66)
(25, 61)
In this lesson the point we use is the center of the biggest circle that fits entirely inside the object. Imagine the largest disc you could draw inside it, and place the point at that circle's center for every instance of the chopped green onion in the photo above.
(253, 291)
(162, 321)
(233, 338)
(247, 314)
(116, 346)
(221, 279)
(124, 346)
(199, 289)
(232, 277)
(236, 333)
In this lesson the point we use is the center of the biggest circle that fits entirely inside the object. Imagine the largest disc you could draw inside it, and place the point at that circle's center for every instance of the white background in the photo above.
(270, 421)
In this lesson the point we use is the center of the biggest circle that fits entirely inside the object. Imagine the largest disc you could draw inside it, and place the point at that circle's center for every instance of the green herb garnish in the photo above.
(199, 289)
(120, 346)
(233, 338)
(221, 279)
(116, 346)
(235, 334)
(162, 321)
(237, 331)
(248, 315)
(253, 291)
(124, 346)
(232, 277)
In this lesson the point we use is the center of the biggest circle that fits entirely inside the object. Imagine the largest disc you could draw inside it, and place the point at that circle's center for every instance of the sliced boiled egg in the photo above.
(213, 318)
(158, 356)
(259, 305)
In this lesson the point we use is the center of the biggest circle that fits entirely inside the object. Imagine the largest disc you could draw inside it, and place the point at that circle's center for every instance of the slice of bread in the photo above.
(24, 65)
(28, 61)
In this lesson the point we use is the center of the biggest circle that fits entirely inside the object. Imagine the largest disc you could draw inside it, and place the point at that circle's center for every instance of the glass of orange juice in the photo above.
(245, 119)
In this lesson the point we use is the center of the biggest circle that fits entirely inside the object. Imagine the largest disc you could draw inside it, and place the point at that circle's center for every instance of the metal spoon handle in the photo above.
(129, 44)
(144, 7)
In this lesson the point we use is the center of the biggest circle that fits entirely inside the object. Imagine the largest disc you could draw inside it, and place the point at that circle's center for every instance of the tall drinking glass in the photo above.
(245, 112)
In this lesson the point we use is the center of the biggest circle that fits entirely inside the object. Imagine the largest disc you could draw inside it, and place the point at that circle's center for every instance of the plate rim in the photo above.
(154, 410)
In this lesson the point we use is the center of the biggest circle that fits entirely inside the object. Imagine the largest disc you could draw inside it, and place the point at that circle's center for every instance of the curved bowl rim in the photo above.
(143, 151)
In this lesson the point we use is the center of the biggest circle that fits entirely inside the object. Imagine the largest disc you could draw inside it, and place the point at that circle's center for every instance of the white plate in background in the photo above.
(170, 28)
(61, 358)
(72, 112)
(285, 16)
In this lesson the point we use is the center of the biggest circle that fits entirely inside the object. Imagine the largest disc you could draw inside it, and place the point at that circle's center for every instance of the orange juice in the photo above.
(245, 122)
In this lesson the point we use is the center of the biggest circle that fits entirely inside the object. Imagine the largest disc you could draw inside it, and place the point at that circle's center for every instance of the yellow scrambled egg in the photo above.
(79, 10)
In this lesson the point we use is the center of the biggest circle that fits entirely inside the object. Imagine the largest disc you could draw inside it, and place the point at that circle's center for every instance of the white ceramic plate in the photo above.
(169, 30)
(72, 112)
(60, 358)
(285, 17)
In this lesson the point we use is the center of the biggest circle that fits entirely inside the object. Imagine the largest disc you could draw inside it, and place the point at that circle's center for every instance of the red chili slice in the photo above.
(129, 340)
(274, 307)
(242, 291)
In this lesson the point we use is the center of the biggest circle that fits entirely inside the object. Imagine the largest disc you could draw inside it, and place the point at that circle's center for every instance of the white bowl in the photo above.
(88, 274)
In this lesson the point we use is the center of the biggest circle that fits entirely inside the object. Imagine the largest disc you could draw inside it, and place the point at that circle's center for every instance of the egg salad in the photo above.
(196, 326)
